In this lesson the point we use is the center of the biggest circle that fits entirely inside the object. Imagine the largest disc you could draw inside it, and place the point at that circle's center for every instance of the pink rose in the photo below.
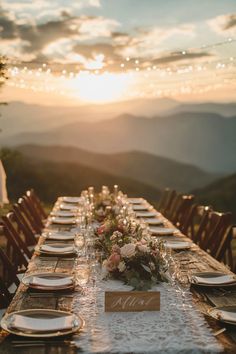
(114, 258)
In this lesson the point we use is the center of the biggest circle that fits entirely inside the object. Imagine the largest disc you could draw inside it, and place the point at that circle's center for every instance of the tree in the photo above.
(3, 75)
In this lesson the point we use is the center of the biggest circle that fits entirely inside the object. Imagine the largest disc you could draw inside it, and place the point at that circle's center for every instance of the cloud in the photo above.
(147, 41)
(180, 57)
(224, 24)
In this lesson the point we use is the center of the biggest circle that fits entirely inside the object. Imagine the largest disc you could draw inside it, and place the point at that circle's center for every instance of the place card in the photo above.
(132, 301)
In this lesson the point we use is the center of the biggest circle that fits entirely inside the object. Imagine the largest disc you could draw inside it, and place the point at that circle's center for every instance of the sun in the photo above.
(100, 88)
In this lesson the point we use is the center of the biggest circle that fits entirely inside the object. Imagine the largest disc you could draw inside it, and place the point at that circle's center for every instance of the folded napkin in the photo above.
(71, 200)
(63, 220)
(61, 237)
(37, 280)
(140, 207)
(57, 249)
(178, 244)
(68, 207)
(161, 231)
(63, 213)
(226, 315)
(214, 280)
(30, 324)
(154, 221)
(146, 214)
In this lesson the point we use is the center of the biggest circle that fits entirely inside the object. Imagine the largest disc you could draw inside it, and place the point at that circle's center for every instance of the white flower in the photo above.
(128, 250)
(143, 248)
(121, 266)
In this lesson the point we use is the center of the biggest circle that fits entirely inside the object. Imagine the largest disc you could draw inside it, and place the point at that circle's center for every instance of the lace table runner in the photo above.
(172, 330)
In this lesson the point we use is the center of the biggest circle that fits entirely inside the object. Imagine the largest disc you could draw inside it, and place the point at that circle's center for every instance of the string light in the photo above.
(171, 80)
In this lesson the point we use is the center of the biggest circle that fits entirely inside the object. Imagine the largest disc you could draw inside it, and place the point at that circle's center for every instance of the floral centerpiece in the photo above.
(131, 254)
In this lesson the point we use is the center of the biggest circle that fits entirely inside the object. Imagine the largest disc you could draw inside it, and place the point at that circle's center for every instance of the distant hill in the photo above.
(206, 140)
(143, 167)
(52, 179)
(20, 117)
(224, 109)
(221, 194)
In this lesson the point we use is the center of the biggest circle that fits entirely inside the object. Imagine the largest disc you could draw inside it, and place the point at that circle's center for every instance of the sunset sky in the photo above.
(107, 50)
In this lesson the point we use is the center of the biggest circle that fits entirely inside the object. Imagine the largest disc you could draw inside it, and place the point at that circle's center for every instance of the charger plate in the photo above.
(41, 314)
(58, 245)
(216, 313)
(211, 275)
(147, 214)
(28, 278)
(136, 200)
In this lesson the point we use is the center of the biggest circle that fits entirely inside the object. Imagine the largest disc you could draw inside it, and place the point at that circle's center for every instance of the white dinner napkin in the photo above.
(178, 245)
(60, 237)
(37, 280)
(56, 249)
(63, 221)
(154, 221)
(214, 280)
(162, 231)
(25, 323)
(63, 213)
(141, 207)
(146, 214)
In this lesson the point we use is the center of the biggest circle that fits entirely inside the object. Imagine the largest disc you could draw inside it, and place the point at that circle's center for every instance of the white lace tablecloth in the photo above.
(173, 329)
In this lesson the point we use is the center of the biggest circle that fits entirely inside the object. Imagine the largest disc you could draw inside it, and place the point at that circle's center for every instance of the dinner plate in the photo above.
(63, 213)
(49, 281)
(162, 231)
(136, 200)
(147, 214)
(59, 235)
(225, 314)
(154, 221)
(38, 316)
(178, 245)
(215, 276)
(71, 200)
(141, 207)
(54, 249)
(67, 207)
(62, 221)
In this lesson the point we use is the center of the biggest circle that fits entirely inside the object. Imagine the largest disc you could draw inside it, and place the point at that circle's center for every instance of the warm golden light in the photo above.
(100, 88)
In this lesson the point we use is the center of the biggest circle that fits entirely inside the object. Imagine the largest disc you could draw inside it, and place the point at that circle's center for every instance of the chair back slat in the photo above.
(36, 201)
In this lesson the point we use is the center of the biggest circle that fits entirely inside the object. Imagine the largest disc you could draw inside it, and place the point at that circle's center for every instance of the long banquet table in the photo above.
(171, 330)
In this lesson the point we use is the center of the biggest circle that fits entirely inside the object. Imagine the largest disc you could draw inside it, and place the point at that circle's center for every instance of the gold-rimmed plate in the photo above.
(62, 220)
(213, 279)
(147, 214)
(178, 245)
(55, 249)
(49, 281)
(162, 231)
(71, 200)
(136, 200)
(32, 318)
(141, 207)
(226, 314)
(59, 235)
(63, 213)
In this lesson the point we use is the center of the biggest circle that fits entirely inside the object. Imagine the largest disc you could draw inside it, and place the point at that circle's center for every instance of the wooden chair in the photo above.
(163, 199)
(168, 203)
(196, 221)
(37, 203)
(26, 210)
(15, 253)
(24, 226)
(8, 280)
(181, 212)
(217, 237)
